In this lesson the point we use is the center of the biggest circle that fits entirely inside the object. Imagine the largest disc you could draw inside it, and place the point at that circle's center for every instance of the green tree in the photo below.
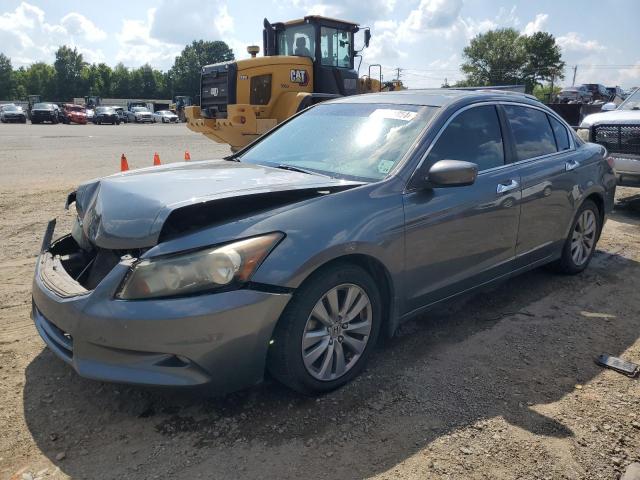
(544, 60)
(121, 82)
(185, 73)
(504, 57)
(40, 79)
(6, 77)
(68, 65)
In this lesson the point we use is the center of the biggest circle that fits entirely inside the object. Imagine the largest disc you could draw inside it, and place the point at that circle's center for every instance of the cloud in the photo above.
(138, 46)
(26, 37)
(80, 26)
(179, 22)
(573, 42)
(537, 25)
(433, 14)
(170, 26)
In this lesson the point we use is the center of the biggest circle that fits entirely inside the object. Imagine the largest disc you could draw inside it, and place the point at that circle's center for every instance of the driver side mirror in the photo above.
(607, 107)
(452, 173)
(367, 37)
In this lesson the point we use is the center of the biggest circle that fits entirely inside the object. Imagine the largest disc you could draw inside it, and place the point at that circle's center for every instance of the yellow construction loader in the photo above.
(305, 62)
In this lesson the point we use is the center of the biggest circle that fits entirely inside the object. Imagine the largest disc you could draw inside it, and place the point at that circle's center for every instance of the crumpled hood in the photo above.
(128, 210)
(614, 117)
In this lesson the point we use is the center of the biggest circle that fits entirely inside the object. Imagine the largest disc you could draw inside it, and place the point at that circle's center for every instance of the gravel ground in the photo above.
(498, 385)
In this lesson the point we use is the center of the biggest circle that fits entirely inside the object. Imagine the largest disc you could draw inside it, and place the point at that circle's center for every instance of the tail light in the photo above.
(611, 161)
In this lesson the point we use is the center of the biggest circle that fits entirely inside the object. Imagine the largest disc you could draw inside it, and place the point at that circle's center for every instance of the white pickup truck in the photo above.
(618, 130)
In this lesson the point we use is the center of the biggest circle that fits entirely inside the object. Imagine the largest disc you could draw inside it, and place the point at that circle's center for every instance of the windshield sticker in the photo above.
(384, 166)
(404, 115)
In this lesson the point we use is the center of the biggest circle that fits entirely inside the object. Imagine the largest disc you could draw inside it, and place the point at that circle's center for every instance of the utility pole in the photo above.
(575, 70)
(398, 70)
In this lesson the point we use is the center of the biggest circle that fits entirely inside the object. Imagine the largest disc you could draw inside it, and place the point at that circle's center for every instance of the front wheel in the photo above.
(581, 243)
(327, 332)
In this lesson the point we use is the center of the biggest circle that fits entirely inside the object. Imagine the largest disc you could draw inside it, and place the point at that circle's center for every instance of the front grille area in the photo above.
(217, 89)
(58, 340)
(618, 138)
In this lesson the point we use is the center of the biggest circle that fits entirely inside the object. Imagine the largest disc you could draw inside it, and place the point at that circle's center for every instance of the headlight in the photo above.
(584, 134)
(202, 270)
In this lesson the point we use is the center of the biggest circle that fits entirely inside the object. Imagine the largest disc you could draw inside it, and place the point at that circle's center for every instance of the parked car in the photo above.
(121, 114)
(106, 115)
(45, 112)
(578, 94)
(165, 116)
(598, 91)
(91, 115)
(140, 115)
(617, 128)
(12, 113)
(295, 254)
(72, 113)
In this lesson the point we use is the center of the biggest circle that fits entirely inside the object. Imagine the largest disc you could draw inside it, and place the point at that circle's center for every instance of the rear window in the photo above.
(531, 131)
(473, 136)
(561, 134)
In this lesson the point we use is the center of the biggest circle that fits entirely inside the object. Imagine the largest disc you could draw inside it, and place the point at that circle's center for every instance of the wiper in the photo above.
(291, 168)
(234, 157)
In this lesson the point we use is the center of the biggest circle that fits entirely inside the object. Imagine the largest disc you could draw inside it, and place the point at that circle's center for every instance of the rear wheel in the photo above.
(581, 243)
(328, 330)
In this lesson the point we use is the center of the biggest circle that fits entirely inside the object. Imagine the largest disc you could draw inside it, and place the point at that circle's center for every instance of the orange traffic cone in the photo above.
(156, 159)
(124, 165)
(187, 156)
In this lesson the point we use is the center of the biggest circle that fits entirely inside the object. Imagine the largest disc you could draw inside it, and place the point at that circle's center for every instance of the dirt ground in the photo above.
(499, 385)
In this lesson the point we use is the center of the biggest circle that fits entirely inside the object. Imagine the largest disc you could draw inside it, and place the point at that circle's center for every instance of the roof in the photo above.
(318, 18)
(435, 97)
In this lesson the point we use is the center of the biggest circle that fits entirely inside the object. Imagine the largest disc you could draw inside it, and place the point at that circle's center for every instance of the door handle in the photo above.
(571, 165)
(507, 187)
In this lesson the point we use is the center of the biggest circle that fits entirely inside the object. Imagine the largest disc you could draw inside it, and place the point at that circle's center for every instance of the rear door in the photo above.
(547, 163)
(459, 237)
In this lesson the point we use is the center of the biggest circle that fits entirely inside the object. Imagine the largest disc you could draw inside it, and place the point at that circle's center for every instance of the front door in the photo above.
(461, 237)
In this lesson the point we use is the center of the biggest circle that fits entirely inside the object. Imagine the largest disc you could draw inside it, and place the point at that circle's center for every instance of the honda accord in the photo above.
(294, 255)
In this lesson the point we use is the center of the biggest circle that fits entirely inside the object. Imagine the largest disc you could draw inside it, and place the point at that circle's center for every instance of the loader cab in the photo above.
(329, 43)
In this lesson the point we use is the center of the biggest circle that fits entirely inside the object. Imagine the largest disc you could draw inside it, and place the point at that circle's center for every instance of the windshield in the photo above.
(297, 40)
(352, 141)
(105, 110)
(632, 102)
(10, 108)
(139, 109)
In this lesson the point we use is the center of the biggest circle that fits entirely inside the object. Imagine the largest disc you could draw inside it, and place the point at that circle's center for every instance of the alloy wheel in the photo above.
(337, 332)
(583, 238)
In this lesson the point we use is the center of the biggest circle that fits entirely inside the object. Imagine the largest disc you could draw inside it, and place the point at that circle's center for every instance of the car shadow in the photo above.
(627, 210)
(505, 352)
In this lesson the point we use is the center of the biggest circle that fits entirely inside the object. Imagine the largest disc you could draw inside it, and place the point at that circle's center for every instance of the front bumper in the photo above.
(15, 118)
(627, 169)
(218, 339)
(148, 119)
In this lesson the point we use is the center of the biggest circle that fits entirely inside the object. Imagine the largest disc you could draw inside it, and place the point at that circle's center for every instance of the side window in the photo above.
(344, 49)
(473, 136)
(531, 131)
(328, 45)
(335, 46)
(560, 132)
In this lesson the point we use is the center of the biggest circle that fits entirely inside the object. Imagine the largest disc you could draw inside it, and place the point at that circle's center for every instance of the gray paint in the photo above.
(433, 243)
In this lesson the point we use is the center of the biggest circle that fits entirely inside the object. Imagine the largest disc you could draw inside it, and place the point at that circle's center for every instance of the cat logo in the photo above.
(300, 77)
(214, 91)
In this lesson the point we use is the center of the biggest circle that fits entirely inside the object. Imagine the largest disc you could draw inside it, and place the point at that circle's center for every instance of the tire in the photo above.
(299, 320)
(587, 219)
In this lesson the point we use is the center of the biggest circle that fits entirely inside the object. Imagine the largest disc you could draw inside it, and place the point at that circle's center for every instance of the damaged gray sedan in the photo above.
(294, 255)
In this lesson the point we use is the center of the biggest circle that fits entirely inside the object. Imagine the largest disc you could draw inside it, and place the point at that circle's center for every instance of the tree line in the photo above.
(71, 76)
(497, 57)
